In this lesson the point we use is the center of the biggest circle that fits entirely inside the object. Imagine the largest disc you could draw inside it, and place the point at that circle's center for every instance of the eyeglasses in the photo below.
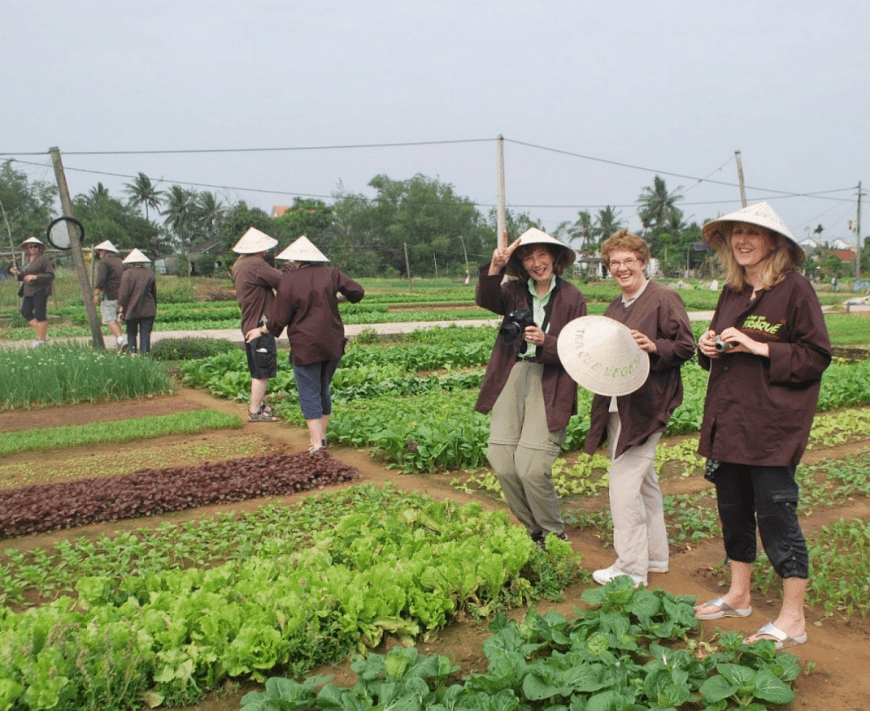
(630, 262)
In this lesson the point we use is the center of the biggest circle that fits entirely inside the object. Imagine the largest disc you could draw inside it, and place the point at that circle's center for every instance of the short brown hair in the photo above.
(623, 239)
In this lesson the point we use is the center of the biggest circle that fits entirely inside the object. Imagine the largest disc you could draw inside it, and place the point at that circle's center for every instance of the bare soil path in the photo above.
(839, 650)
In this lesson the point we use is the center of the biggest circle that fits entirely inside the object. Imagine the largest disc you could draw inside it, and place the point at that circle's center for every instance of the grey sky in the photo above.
(670, 87)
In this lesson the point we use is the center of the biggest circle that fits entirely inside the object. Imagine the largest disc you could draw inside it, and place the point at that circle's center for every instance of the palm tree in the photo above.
(179, 213)
(607, 222)
(582, 228)
(143, 192)
(210, 212)
(98, 193)
(658, 207)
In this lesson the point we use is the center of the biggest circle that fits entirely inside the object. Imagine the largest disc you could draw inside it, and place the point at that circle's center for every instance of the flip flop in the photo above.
(782, 640)
(725, 610)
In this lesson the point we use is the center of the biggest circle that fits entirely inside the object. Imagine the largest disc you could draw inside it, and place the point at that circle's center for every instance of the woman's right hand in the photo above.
(707, 344)
(501, 256)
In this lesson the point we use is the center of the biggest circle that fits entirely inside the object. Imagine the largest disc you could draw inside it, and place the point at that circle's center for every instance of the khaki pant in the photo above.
(522, 451)
(639, 533)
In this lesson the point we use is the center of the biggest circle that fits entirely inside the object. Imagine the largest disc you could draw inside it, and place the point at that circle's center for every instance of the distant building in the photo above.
(279, 210)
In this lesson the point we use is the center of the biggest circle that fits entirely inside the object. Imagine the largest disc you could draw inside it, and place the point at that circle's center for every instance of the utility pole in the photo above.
(740, 179)
(408, 268)
(465, 254)
(76, 248)
(501, 220)
(858, 237)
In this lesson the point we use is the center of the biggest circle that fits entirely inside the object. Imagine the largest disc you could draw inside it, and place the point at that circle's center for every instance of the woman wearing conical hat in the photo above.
(36, 276)
(307, 304)
(766, 350)
(108, 282)
(137, 302)
(526, 387)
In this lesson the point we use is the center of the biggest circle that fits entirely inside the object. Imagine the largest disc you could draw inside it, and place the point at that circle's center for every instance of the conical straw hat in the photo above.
(136, 257)
(107, 245)
(254, 241)
(535, 236)
(760, 214)
(32, 240)
(601, 355)
(302, 250)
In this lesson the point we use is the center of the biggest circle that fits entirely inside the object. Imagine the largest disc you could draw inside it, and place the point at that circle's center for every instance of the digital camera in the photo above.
(723, 346)
(514, 325)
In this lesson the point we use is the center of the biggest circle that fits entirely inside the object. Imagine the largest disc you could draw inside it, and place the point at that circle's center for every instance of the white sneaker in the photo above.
(122, 345)
(605, 575)
(658, 566)
(37, 344)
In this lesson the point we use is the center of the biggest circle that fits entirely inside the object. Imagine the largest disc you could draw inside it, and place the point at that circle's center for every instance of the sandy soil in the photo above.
(839, 650)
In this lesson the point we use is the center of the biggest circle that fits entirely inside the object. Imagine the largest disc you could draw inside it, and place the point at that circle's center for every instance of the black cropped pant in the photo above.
(769, 495)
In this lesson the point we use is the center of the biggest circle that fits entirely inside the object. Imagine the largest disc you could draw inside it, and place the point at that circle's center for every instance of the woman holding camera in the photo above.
(633, 423)
(761, 398)
(530, 395)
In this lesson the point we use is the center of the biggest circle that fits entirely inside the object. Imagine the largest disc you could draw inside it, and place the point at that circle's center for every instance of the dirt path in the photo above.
(839, 650)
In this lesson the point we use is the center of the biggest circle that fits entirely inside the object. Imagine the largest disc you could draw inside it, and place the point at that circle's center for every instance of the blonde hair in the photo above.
(777, 264)
(623, 239)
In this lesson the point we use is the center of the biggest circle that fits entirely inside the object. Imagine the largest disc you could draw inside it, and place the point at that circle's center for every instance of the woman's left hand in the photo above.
(645, 342)
(30, 277)
(534, 335)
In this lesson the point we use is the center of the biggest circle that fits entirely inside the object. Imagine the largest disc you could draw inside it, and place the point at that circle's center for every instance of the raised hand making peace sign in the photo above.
(501, 256)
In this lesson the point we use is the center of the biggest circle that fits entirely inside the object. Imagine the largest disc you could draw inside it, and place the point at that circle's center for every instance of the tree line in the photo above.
(367, 236)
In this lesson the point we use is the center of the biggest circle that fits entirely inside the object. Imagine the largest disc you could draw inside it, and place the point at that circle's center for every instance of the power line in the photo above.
(259, 150)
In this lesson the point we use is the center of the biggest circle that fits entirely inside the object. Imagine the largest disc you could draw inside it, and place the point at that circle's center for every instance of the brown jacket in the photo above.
(109, 274)
(659, 314)
(759, 410)
(306, 303)
(44, 271)
(254, 281)
(560, 390)
(137, 295)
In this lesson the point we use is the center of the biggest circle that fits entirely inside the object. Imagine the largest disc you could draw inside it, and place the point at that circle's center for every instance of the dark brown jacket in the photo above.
(560, 390)
(137, 294)
(44, 271)
(659, 314)
(254, 281)
(306, 303)
(109, 274)
(761, 409)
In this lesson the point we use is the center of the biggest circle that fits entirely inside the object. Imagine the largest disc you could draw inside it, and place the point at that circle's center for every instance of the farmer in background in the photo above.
(525, 386)
(36, 276)
(137, 301)
(108, 282)
(633, 423)
(766, 350)
(255, 282)
(307, 304)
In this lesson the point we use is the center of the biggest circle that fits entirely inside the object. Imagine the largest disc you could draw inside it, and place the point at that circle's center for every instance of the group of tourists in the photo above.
(765, 349)
(126, 295)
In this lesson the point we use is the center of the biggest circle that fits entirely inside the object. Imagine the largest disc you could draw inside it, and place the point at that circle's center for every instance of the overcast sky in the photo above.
(593, 99)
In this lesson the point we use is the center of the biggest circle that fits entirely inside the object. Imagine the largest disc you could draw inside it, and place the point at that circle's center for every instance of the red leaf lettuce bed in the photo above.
(49, 507)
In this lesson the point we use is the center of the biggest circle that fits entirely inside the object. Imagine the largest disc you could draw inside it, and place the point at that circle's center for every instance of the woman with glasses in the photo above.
(530, 394)
(632, 424)
(36, 276)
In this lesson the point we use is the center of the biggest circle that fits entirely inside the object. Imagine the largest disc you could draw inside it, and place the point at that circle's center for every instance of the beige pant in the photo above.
(639, 533)
(522, 451)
